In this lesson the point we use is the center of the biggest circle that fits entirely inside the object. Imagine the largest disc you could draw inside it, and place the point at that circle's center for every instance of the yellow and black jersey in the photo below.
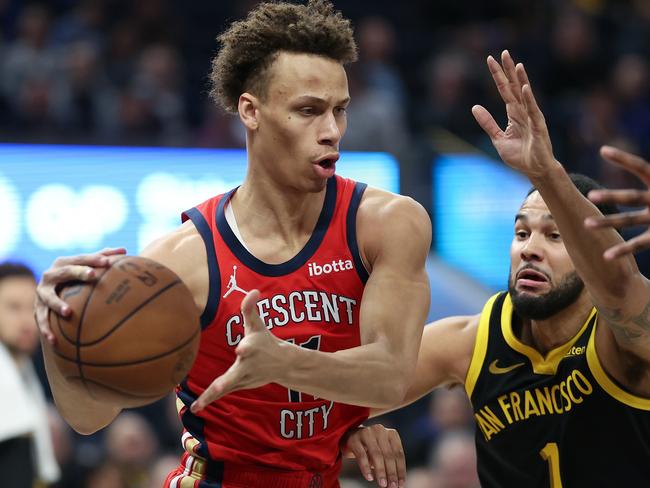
(554, 421)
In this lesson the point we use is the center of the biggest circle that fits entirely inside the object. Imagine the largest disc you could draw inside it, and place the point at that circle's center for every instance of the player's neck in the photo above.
(546, 335)
(264, 208)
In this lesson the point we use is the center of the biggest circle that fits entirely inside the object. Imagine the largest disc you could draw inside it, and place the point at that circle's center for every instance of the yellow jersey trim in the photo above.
(541, 365)
(606, 383)
(480, 347)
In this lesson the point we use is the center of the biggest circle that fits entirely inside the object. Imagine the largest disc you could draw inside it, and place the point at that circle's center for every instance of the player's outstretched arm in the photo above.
(394, 233)
(443, 360)
(82, 413)
(617, 288)
(631, 198)
(379, 454)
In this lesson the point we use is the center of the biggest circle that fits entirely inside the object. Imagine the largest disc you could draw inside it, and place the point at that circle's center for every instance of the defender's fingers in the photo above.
(522, 75)
(633, 246)
(631, 162)
(620, 220)
(388, 455)
(509, 69)
(376, 458)
(501, 81)
(354, 448)
(398, 454)
(487, 122)
(534, 113)
(631, 198)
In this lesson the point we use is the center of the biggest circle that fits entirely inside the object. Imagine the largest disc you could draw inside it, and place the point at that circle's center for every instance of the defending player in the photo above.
(343, 292)
(557, 369)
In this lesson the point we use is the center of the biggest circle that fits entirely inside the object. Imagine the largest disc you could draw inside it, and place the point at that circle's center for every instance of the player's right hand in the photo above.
(64, 269)
(379, 454)
(631, 198)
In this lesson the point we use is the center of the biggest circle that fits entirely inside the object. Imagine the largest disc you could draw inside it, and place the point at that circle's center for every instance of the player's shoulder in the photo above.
(378, 204)
(180, 247)
(389, 221)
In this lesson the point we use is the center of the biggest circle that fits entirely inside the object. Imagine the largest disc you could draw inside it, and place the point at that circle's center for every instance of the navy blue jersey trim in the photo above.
(214, 289)
(299, 259)
(193, 424)
(351, 226)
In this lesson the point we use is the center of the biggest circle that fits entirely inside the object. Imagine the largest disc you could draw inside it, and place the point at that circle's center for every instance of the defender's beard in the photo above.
(541, 307)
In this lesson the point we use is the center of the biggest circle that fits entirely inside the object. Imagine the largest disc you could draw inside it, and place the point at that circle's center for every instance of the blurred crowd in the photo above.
(121, 72)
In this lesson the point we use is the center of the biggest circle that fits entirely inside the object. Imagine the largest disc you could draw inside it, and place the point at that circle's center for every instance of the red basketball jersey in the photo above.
(312, 300)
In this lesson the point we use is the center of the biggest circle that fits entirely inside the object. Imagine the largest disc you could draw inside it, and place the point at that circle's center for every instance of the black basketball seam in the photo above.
(131, 313)
(81, 321)
(129, 363)
(63, 334)
(116, 390)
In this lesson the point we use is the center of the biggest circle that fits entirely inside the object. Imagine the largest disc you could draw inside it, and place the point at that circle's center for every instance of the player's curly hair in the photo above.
(249, 47)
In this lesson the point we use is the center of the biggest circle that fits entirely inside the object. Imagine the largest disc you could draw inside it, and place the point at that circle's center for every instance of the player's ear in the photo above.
(248, 110)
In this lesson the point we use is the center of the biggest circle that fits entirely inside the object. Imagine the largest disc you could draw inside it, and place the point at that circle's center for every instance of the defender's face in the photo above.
(18, 331)
(539, 262)
(302, 120)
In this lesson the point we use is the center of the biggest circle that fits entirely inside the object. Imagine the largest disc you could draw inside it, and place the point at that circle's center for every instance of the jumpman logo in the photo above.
(232, 284)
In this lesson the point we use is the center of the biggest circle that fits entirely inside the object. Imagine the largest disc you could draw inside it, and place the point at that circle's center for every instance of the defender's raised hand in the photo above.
(525, 144)
(630, 198)
(259, 358)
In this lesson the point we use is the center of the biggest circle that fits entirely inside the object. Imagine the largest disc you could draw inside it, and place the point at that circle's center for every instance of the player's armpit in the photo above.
(183, 251)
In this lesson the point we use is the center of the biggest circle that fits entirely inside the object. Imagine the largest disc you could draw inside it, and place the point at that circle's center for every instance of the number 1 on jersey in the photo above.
(312, 343)
(551, 454)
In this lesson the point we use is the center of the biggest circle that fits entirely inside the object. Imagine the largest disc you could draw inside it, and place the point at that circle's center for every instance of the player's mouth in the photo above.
(325, 167)
(529, 279)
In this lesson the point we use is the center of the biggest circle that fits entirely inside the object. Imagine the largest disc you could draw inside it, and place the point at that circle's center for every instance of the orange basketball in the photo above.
(133, 333)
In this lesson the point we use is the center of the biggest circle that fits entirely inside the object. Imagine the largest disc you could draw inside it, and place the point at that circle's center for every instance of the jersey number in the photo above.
(551, 454)
(312, 343)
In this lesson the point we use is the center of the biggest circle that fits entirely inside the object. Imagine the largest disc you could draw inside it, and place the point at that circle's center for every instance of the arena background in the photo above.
(103, 106)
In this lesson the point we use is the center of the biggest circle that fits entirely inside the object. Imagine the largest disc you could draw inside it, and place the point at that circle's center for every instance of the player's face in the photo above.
(18, 331)
(543, 279)
(302, 120)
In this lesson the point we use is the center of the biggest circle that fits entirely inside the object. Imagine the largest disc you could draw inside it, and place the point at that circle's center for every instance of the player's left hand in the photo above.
(525, 144)
(630, 197)
(260, 358)
(379, 454)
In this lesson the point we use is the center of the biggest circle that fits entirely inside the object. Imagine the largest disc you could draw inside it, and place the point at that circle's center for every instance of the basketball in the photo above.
(133, 333)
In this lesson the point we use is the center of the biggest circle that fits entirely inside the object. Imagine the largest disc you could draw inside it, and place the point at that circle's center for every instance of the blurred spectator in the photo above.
(29, 67)
(377, 45)
(454, 462)
(131, 447)
(376, 121)
(449, 410)
(26, 450)
(84, 23)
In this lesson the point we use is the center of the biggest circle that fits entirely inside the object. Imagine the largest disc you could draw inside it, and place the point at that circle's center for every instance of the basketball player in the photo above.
(558, 367)
(331, 273)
